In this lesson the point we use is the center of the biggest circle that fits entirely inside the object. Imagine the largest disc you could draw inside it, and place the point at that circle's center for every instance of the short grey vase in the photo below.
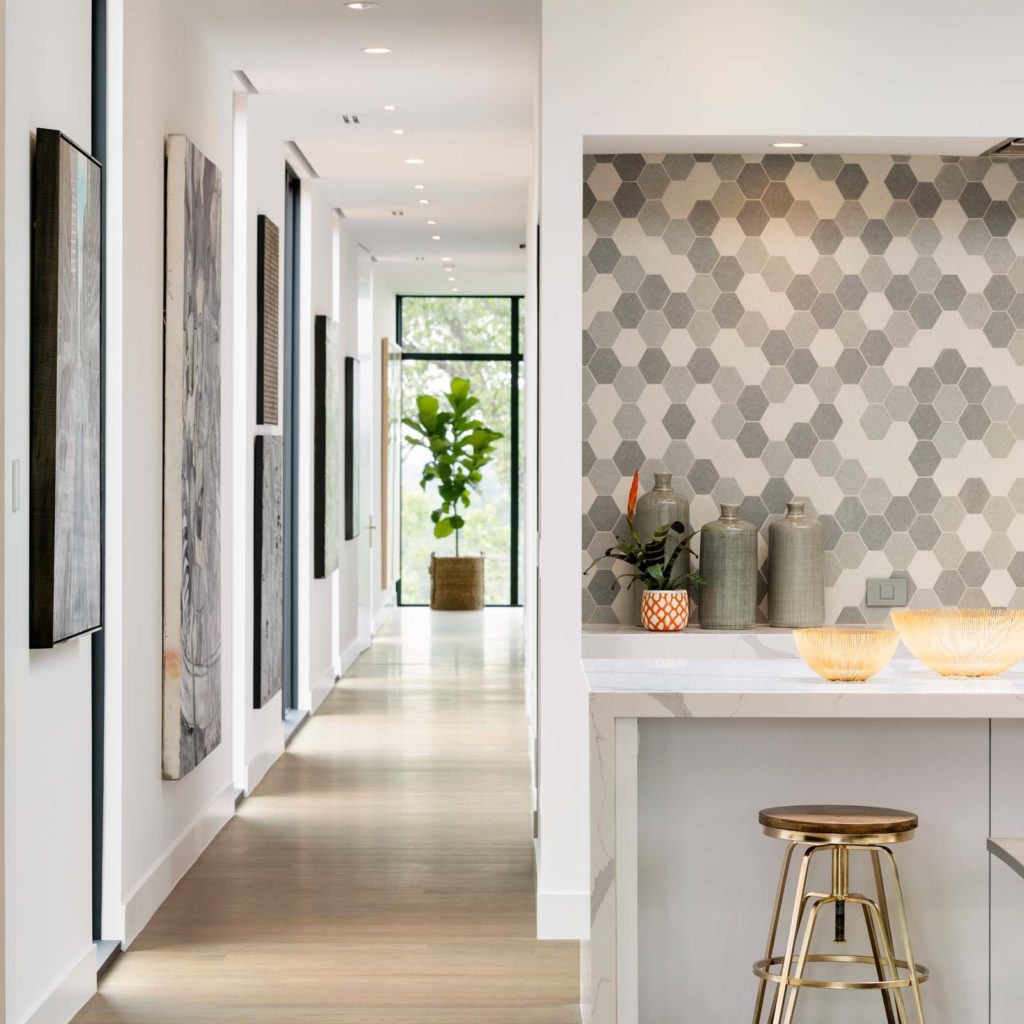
(657, 507)
(796, 576)
(728, 566)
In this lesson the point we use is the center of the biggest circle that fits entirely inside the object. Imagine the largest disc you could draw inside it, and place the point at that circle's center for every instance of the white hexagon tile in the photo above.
(849, 330)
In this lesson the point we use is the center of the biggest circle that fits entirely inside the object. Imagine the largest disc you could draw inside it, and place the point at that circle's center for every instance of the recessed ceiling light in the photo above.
(397, 131)
(419, 188)
(361, 5)
(446, 259)
(452, 279)
(455, 289)
(424, 202)
(435, 238)
(376, 49)
(390, 107)
(787, 145)
(431, 223)
(414, 160)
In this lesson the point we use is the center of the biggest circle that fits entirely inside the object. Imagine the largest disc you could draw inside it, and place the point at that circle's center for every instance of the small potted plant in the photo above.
(459, 446)
(665, 605)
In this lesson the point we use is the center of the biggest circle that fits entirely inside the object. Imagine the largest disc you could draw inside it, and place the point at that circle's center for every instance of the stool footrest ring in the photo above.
(763, 969)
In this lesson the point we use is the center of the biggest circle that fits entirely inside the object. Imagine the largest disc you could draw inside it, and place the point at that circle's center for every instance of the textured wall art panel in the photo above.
(848, 330)
(192, 623)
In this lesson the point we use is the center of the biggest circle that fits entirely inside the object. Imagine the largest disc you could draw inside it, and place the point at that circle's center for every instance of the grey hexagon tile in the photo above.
(849, 327)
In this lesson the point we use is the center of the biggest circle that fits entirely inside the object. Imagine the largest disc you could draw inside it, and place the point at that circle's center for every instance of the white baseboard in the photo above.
(145, 900)
(563, 915)
(262, 763)
(382, 616)
(351, 653)
(321, 692)
(71, 993)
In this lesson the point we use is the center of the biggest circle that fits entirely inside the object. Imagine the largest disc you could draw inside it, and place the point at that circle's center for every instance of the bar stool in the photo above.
(841, 829)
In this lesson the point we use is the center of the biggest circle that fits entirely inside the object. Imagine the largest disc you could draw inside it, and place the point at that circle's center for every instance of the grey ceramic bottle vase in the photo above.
(728, 565)
(655, 508)
(796, 576)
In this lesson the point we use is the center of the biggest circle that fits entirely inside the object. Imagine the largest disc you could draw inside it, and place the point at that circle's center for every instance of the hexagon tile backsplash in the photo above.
(848, 330)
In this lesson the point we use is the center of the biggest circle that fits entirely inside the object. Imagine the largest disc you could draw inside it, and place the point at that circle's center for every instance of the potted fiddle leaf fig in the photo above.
(459, 447)
(661, 565)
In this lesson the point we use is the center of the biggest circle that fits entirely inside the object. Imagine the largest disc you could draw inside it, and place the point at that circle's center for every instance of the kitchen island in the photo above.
(686, 749)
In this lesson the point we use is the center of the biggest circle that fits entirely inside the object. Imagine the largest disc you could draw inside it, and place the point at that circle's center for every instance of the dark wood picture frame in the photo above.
(66, 514)
(268, 321)
(351, 448)
(326, 461)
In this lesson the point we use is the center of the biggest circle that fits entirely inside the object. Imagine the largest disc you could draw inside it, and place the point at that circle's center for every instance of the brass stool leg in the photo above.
(915, 986)
(879, 970)
(805, 948)
(774, 928)
(888, 954)
(798, 903)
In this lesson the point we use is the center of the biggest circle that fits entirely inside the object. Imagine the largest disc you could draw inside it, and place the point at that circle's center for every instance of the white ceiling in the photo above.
(462, 74)
(885, 144)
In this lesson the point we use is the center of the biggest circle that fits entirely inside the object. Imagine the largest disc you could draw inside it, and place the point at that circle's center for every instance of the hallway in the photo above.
(382, 872)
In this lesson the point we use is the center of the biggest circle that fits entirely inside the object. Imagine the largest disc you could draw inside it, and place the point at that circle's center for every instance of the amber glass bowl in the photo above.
(964, 642)
(844, 655)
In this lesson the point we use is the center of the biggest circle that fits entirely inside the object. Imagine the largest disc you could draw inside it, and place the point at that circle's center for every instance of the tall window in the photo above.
(479, 338)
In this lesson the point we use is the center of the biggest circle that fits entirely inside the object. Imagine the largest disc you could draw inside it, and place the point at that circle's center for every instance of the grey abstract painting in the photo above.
(66, 519)
(268, 575)
(327, 433)
(192, 613)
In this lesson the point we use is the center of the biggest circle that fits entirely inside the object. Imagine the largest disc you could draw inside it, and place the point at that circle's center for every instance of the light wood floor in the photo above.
(383, 871)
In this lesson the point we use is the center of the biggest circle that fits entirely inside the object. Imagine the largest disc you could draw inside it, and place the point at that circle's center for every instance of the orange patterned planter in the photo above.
(665, 611)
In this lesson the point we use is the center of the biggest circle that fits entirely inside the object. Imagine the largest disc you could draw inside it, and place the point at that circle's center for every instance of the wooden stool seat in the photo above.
(838, 820)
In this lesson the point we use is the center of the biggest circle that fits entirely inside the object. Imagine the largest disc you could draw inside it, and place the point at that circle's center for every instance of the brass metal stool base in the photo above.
(786, 971)
(763, 970)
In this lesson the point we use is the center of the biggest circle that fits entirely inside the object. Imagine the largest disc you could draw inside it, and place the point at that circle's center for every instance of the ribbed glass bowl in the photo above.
(844, 655)
(964, 641)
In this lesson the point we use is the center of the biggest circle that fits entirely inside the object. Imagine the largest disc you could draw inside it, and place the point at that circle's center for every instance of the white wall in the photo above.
(165, 823)
(47, 66)
(724, 68)
(384, 325)
(264, 174)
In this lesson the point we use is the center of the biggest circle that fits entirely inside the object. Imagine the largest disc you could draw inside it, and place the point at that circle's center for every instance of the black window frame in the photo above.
(514, 356)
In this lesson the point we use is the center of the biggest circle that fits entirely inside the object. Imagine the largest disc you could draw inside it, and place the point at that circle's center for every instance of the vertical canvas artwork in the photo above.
(66, 522)
(268, 319)
(351, 448)
(268, 576)
(327, 414)
(192, 471)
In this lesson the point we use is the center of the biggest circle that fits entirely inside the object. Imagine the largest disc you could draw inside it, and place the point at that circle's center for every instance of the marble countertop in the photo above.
(781, 687)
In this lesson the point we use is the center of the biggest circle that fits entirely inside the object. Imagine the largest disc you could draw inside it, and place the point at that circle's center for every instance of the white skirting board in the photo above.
(382, 616)
(143, 903)
(321, 692)
(72, 992)
(563, 915)
(261, 764)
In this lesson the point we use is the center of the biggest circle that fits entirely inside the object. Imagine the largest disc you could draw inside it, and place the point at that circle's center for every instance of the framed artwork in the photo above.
(192, 471)
(268, 320)
(65, 499)
(351, 448)
(268, 569)
(327, 371)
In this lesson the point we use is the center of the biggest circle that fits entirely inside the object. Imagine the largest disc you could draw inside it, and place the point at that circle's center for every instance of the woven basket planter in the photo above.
(457, 584)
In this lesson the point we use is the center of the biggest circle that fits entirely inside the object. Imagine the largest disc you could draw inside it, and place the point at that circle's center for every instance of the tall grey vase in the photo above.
(796, 576)
(728, 565)
(657, 507)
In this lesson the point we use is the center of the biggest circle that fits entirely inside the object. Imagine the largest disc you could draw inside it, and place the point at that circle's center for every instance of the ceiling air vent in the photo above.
(1011, 147)
(398, 213)
(350, 118)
